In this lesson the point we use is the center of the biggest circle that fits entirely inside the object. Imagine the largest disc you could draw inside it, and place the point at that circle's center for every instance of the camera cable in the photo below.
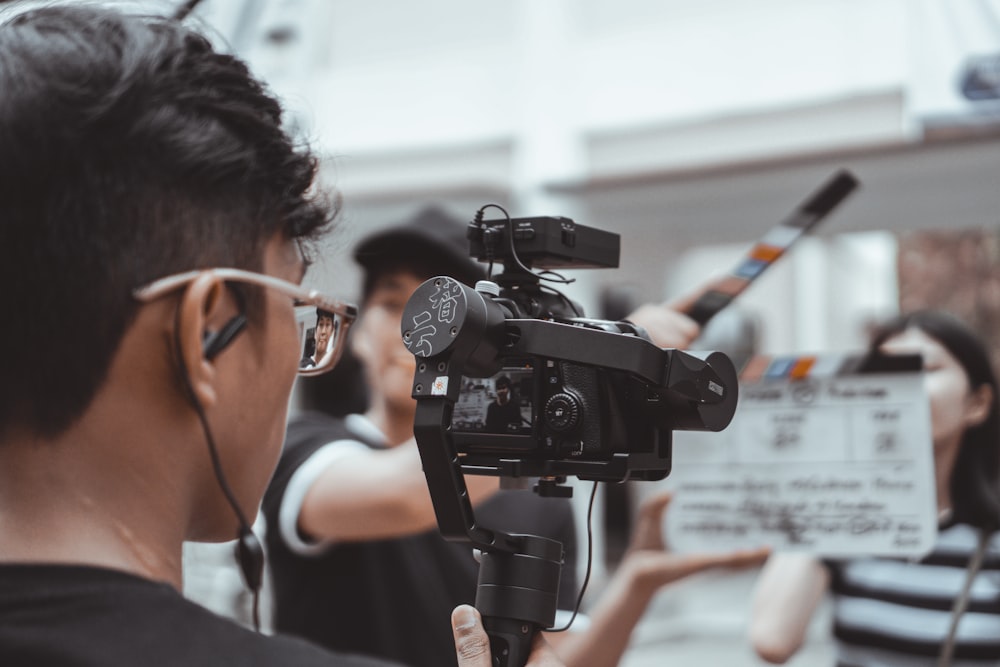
(489, 240)
(590, 562)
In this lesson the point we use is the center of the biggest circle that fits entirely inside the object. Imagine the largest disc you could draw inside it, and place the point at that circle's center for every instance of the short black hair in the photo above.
(975, 479)
(131, 150)
(502, 381)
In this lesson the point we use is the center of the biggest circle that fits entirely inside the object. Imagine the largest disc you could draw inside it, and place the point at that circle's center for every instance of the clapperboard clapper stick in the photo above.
(772, 246)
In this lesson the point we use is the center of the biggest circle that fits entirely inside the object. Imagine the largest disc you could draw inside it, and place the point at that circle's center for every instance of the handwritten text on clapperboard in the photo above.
(837, 466)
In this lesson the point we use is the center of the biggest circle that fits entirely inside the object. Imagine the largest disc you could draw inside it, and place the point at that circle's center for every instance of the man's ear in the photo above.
(199, 305)
(980, 404)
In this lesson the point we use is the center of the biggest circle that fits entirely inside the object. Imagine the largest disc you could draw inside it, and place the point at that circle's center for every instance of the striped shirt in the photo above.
(896, 613)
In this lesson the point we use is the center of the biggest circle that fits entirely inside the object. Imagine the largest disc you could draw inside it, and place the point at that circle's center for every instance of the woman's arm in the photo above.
(788, 591)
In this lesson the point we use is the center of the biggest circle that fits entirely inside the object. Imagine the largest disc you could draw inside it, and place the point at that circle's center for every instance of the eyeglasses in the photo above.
(323, 322)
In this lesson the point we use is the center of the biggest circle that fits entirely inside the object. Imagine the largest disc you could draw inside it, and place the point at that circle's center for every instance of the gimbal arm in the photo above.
(518, 586)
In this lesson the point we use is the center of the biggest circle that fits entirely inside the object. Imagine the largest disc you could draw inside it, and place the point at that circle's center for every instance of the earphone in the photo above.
(215, 342)
(249, 551)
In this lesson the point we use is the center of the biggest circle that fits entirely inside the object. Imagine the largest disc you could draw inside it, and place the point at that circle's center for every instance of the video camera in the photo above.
(594, 399)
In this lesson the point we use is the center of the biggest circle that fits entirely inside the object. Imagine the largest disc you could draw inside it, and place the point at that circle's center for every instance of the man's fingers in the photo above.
(472, 645)
(685, 302)
(666, 327)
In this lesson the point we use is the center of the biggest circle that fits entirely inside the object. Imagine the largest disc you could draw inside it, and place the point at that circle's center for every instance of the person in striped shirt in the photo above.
(943, 609)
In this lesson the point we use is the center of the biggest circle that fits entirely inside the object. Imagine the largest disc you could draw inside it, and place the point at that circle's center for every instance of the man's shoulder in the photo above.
(282, 650)
(313, 441)
(225, 642)
(131, 620)
(305, 435)
(308, 432)
(308, 425)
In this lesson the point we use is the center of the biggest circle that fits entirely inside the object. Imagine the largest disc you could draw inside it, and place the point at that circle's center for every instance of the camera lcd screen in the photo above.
(501, 404)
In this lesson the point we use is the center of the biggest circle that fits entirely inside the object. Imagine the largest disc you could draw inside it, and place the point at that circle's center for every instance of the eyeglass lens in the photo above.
(319, 337)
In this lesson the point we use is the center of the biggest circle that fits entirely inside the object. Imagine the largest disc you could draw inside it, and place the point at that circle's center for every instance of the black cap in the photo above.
(432, 242)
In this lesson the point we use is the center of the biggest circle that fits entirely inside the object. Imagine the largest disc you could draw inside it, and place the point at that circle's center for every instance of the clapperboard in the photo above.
(827, 454)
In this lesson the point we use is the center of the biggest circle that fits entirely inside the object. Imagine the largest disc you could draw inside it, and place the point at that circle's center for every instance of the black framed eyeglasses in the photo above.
(322, 321)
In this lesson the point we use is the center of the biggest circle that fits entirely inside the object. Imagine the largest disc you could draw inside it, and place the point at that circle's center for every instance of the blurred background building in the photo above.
(690, 128)
(687, 127)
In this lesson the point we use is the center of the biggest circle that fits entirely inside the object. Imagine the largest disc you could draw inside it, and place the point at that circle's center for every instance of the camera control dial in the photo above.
(562, 412)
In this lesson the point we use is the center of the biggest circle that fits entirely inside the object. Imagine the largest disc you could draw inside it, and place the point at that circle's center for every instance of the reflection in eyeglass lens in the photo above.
(319, 332)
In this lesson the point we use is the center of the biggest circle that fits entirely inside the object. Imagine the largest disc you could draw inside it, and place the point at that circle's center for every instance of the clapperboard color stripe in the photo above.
(799, 367)
(773, 245)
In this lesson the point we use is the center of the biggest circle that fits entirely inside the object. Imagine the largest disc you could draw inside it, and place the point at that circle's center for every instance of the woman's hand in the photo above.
(656, 566)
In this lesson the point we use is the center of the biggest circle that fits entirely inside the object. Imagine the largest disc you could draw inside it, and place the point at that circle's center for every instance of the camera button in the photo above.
(562, 412)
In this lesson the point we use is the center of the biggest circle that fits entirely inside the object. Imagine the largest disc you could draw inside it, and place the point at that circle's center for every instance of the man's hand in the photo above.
(473, 645)
(666, 323)
(656, 566)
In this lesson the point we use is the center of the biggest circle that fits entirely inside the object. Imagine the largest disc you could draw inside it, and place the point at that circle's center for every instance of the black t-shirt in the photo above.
(392, 598)
(88, 616)
(503, 417)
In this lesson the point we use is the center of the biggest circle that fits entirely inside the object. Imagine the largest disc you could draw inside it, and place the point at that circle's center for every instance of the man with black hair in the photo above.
(148, 190)
(357, 561)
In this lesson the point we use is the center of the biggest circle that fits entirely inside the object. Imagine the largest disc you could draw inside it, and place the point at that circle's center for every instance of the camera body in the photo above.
(563, 411)
(541, 390)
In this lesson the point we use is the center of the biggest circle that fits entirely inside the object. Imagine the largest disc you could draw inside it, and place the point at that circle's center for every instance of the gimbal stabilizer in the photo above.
(607, 405)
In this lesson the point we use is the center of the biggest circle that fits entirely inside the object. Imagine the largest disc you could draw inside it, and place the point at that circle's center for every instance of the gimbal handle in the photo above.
(518, 586)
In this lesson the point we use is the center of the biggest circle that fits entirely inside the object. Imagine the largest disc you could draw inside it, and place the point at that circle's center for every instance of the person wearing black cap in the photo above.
(357, 562)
